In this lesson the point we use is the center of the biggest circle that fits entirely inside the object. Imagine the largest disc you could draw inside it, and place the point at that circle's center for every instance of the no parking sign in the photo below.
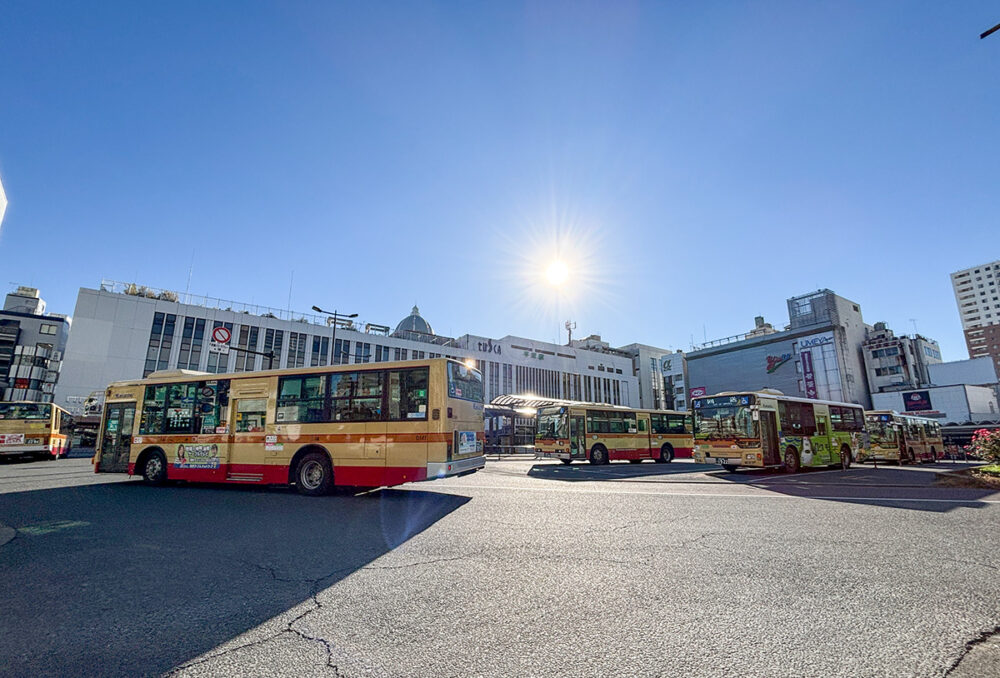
(219, 343)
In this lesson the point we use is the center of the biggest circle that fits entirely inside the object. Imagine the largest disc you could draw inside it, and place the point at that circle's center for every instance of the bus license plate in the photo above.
(11, 439)
(725, 460)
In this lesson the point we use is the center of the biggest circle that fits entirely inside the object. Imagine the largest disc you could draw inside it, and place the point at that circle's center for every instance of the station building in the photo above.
(126, 331)
(817, 355)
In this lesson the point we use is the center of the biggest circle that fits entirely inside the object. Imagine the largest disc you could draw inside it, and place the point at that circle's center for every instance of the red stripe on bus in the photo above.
(301, 438)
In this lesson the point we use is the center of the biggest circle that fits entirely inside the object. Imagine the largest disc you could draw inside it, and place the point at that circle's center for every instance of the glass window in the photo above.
(251, 415)
(465, 383)
(642, 426)
(598, 422)
(153, 404)
(301, 399)
(180, 408)
(356, 396)
(213, 407)
(408, 394)
(24, 411)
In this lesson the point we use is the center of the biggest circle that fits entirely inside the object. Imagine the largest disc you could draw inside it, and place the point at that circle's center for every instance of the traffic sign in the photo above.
(219, 343)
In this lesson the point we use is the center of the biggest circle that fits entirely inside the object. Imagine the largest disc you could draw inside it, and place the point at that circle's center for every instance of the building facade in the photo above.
(662, 376)
(818, 355)
(977, 294)
(898, 363)
(125, 331)
(32, 343)
(950, 404)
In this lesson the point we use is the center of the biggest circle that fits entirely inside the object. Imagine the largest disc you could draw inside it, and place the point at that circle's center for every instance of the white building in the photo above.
(977, 293)
(124, 331)
(898, 363)
(662, 376)
(949, 404)
(975, 371)
(31, 347)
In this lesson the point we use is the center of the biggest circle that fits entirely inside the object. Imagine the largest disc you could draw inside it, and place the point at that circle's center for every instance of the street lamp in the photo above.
(335, 317)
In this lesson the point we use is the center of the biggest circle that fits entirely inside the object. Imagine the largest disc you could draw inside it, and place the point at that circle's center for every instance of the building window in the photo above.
(192, 339)
(247, 340)
(161, 337)
(272, 345)
(48, 329)
(320, 351)
(296, 349)
(341, 351)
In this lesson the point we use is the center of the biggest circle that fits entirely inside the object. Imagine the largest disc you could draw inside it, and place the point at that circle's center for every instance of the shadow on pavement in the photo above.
(129, 579)
(583, 471)
(910, 488)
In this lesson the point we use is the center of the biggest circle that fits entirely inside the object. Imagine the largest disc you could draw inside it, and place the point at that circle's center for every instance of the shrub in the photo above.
(986, 444)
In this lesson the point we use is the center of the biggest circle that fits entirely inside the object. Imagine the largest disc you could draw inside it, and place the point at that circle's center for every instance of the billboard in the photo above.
(917, 401)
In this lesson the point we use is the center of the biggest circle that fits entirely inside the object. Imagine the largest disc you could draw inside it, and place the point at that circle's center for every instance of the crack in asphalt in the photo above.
(316, 586)
(983, 637)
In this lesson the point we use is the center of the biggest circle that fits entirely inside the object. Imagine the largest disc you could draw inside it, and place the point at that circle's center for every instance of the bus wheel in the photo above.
(314, 476)
(635, 461)
(933, 458)
(791, 460)
(566, 461)
(154, 470)
(845, 456)
(666, 454)
(730, 468)
(599, 455)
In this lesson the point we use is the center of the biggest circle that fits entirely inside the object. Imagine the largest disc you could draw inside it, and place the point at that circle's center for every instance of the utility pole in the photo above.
(992, 30)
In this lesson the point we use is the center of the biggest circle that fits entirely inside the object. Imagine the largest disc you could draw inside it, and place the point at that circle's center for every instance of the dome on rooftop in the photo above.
(414, 323)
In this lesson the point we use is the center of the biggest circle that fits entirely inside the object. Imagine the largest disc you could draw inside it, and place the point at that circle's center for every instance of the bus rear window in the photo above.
(465, 383)
(25, 411)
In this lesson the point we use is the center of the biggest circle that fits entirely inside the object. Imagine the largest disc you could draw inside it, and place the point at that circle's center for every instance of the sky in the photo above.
(692, 164)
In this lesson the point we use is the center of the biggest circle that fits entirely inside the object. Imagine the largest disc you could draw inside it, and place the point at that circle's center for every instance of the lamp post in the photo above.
(335, 317)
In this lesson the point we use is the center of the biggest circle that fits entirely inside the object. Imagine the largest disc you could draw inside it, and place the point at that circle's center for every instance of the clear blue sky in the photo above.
(707, 160)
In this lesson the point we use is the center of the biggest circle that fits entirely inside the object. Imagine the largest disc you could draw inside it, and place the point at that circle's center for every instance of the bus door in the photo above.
(247, 451)
(769, 437)
(577, 437)
(116, 441)
(821, 441)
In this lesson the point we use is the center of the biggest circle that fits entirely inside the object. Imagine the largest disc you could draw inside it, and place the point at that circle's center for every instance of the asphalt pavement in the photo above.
(525, 568)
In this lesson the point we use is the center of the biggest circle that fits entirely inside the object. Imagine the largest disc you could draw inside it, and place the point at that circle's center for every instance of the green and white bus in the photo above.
(767, 429)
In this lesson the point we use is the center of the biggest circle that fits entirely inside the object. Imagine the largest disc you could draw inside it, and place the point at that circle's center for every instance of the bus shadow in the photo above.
(910, 488)
(584, 472)
(138, 580)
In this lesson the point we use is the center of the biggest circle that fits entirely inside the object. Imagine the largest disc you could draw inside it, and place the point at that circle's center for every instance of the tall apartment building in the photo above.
(977, 293)
(31, 347)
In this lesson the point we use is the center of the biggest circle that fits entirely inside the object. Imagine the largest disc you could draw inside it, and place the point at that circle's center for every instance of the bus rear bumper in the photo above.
(458, 467)
(24, 449)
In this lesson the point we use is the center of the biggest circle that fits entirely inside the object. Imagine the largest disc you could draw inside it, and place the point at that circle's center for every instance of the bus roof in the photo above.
(902, 415)
(174, 376)
(778, 395)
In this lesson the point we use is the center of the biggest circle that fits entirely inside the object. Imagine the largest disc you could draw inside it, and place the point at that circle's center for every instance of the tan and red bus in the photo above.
(604, 433)
(39, 430)
(902, 438)
(314, 428)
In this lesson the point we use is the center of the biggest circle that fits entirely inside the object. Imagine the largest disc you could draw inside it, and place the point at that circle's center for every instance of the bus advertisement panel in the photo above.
(771, 430)
(346, 425)
(901, 438)
(601, 434)
(39, 430)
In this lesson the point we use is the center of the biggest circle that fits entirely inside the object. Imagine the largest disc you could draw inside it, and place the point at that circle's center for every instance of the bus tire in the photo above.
(911, 457)
(730, 468)
(845, 456)
(792, 461)
(934, 457)
(599, 455)
(154, 468)
(666, 454)
(314, 475)
(635, 461)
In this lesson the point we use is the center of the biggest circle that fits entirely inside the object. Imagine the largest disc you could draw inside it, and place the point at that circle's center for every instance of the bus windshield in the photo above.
(725, 421)
(465, 383)
(25, 411)
(552, 423)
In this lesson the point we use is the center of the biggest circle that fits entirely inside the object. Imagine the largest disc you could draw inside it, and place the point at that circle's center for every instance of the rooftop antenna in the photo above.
(291, 278)
(187, 289)
(914, 321)
(570, 326)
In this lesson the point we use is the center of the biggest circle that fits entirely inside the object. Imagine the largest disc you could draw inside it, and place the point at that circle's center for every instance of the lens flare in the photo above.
(556, 273)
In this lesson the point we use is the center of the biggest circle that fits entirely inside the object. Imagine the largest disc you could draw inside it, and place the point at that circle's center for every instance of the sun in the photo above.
(556, 273)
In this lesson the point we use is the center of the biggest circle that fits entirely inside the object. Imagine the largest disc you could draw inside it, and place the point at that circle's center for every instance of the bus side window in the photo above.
(642, 425)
